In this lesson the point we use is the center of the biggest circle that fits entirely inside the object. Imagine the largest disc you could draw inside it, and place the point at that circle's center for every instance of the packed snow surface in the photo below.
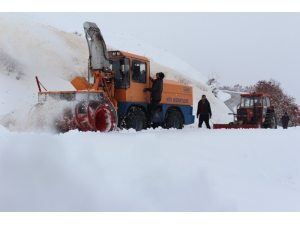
(152, 170)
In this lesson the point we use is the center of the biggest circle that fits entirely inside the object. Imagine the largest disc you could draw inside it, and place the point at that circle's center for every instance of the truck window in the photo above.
(248, 101)
(121, 68)
(257, 101)
(265, 101)
(138, 71)
(268, 102)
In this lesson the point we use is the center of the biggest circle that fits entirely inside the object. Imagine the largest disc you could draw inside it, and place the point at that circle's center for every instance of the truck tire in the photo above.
(135, 119)
(174, 119)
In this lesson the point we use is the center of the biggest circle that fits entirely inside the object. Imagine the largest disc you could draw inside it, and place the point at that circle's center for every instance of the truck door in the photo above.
(138, 81)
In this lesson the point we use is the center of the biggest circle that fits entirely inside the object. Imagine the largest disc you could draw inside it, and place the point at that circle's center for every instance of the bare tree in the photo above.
(77, 33)
(238, 88)
(281, 101)
(213, 83)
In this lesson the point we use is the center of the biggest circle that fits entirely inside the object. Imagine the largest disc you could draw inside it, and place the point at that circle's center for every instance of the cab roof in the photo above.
(127, 54)
(256, 94)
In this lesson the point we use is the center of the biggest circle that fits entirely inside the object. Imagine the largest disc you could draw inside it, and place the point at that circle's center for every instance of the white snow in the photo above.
(223, 96)
(188, 170)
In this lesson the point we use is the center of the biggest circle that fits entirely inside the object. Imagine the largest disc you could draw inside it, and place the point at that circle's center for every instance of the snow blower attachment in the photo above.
(254, 111)
(92, 107)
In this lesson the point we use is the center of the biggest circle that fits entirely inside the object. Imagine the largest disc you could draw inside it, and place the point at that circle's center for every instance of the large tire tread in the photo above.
(174, 119)
(271, 121)
(135, 119)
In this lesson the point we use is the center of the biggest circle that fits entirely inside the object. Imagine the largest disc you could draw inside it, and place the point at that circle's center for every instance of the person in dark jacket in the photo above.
(204, 111)
(156, 91)
(285, 120)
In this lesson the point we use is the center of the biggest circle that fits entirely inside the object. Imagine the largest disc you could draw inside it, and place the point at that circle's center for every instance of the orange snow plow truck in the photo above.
(113, 96)
(253, 111)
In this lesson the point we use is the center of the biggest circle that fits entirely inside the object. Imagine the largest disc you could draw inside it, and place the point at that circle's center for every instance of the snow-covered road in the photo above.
(152, 170)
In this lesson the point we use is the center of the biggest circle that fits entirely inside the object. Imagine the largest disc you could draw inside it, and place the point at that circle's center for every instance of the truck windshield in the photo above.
(248, 101)
(121, 68)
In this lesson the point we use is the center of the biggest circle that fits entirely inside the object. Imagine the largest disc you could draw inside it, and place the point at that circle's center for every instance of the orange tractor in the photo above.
(113, 94)
(253, 111)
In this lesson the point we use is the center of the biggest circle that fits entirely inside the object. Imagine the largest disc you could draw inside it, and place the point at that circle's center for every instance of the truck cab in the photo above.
(131, 77)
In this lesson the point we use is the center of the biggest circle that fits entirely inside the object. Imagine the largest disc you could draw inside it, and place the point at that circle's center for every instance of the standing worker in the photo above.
(204, 111)
(156, 91)
(285, 120)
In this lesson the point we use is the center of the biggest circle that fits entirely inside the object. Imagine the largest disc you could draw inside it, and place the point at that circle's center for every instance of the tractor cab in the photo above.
(252, 108)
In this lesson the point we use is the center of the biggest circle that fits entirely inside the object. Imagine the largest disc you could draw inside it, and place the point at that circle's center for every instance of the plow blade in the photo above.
(236, 126)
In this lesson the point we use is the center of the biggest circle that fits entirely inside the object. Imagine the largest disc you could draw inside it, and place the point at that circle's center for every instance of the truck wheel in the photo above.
(174, 119)
(135, 119)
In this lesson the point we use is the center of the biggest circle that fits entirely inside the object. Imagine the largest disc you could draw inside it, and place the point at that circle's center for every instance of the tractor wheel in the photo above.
(259, 125)
(135, 119)
(272, 121)
(174, 119)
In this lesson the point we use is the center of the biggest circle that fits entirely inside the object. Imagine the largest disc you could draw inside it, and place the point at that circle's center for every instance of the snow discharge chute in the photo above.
(97, 48)
(92, 107)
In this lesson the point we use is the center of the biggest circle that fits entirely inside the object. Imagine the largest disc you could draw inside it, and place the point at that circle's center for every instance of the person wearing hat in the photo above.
(285, 120)
(156, 91)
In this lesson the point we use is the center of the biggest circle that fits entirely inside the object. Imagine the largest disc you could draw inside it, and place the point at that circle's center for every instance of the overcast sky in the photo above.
(241, 48)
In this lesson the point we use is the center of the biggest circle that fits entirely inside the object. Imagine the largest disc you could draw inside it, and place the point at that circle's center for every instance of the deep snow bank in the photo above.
(151, 170)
